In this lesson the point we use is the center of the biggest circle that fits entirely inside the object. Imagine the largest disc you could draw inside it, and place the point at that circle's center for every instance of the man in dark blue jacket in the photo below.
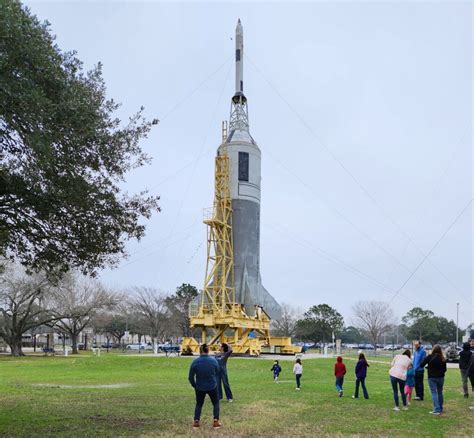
(203, 375)
(418, 357)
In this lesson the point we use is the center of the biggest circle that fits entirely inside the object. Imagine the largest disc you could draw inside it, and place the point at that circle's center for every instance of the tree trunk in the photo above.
(74, 337)
(15, 346)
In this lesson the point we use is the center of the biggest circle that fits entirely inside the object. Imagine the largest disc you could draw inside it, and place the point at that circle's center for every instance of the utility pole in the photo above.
(457, 324)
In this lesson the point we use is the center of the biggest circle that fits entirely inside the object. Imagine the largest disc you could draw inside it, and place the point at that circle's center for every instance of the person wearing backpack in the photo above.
(464, 360)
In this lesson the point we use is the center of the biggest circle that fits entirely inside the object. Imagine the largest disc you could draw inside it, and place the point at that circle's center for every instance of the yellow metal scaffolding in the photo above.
(218, 316)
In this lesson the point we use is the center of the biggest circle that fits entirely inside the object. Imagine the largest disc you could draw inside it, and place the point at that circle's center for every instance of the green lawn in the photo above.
(159, 400)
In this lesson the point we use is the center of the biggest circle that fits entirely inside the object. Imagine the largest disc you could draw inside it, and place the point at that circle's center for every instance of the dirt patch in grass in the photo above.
(55, 385)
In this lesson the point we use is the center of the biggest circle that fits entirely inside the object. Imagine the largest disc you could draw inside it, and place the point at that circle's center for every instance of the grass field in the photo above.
(56, 396)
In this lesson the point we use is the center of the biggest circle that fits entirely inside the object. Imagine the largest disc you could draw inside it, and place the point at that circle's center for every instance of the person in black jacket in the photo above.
(464, 359)
(436, 364)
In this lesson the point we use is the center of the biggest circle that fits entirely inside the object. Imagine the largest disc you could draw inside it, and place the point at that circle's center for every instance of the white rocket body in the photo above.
(245, 189)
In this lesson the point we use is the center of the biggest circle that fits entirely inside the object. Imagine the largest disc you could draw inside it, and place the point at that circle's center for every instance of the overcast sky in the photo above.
(363, 113)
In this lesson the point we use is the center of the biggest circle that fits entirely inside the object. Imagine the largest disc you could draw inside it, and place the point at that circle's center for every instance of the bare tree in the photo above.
(286, 325)
(75, 301)
(22, 305)
(150, 306)
(178, 305)
(115, 323)
(373, 317)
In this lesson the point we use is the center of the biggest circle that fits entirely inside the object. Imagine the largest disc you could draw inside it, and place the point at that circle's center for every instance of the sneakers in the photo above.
(354, 396)
(405, 408)
(418, 399)
(298, 389)
(217, 424)
(435, 413)
(196, 424)
(408, 403)
(466, 395)
(230, 400)
(396, 408)
(340, 393)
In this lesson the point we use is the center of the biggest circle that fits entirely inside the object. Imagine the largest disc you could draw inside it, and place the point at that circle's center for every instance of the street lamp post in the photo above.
(457, 324)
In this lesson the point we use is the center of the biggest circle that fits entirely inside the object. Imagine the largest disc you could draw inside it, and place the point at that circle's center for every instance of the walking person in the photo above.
(223, 379)
(436, 364)
(203, 375)
(418, 357)
(339, 372)
(276, 368)
(298, 372)
(361, 374)
(409, 383)
(398, 375)
(464, 359)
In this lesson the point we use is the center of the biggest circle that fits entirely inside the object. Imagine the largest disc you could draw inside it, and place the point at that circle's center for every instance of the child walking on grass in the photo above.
(409, 383)
(298, 372)
(276, 368)
(361, 374)
(339, 372)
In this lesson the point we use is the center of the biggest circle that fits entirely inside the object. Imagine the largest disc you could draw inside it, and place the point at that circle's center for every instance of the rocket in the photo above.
(245, 190)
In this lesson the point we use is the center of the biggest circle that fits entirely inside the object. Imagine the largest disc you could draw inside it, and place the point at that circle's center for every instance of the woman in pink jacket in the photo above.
(398, 375)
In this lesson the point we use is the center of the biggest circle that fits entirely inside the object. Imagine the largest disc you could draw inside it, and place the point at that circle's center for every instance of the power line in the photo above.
(192, 92)
(433, 248)
(352, 176)
(149, 254)
(436, 189)
(201, 151)
(345, 218)
(333, 259)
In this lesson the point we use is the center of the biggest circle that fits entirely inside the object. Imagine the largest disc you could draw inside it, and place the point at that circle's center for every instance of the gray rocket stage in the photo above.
(245, 190)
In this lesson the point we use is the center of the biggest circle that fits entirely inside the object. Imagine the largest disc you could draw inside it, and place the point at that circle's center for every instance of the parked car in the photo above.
(452, 353)
(135, 347)
(107, 345)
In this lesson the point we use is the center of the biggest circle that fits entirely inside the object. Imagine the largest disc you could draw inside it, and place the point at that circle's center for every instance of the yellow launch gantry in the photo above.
(218, 315)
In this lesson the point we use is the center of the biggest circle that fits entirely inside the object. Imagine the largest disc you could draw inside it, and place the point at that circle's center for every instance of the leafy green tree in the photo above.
(63, 155)
(446, 330)
(351, 335)
(421, 325)
(178, 304)
(319, 324)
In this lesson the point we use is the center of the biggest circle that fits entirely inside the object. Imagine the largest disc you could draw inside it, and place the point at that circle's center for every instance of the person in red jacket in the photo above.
(339, 372)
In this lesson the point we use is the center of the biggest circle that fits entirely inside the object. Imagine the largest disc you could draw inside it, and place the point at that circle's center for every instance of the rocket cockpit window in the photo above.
(243, 166)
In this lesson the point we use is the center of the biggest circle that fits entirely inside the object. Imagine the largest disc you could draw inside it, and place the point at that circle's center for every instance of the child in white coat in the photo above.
(298, 372)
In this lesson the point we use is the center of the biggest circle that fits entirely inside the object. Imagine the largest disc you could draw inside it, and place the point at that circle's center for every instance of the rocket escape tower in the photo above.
(223, 315)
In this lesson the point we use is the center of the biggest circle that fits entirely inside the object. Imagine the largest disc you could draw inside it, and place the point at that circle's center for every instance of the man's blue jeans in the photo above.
(200, 396)
(436, 387)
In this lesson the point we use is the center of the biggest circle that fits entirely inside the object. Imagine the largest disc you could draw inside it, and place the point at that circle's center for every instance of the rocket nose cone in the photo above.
(238, 28)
